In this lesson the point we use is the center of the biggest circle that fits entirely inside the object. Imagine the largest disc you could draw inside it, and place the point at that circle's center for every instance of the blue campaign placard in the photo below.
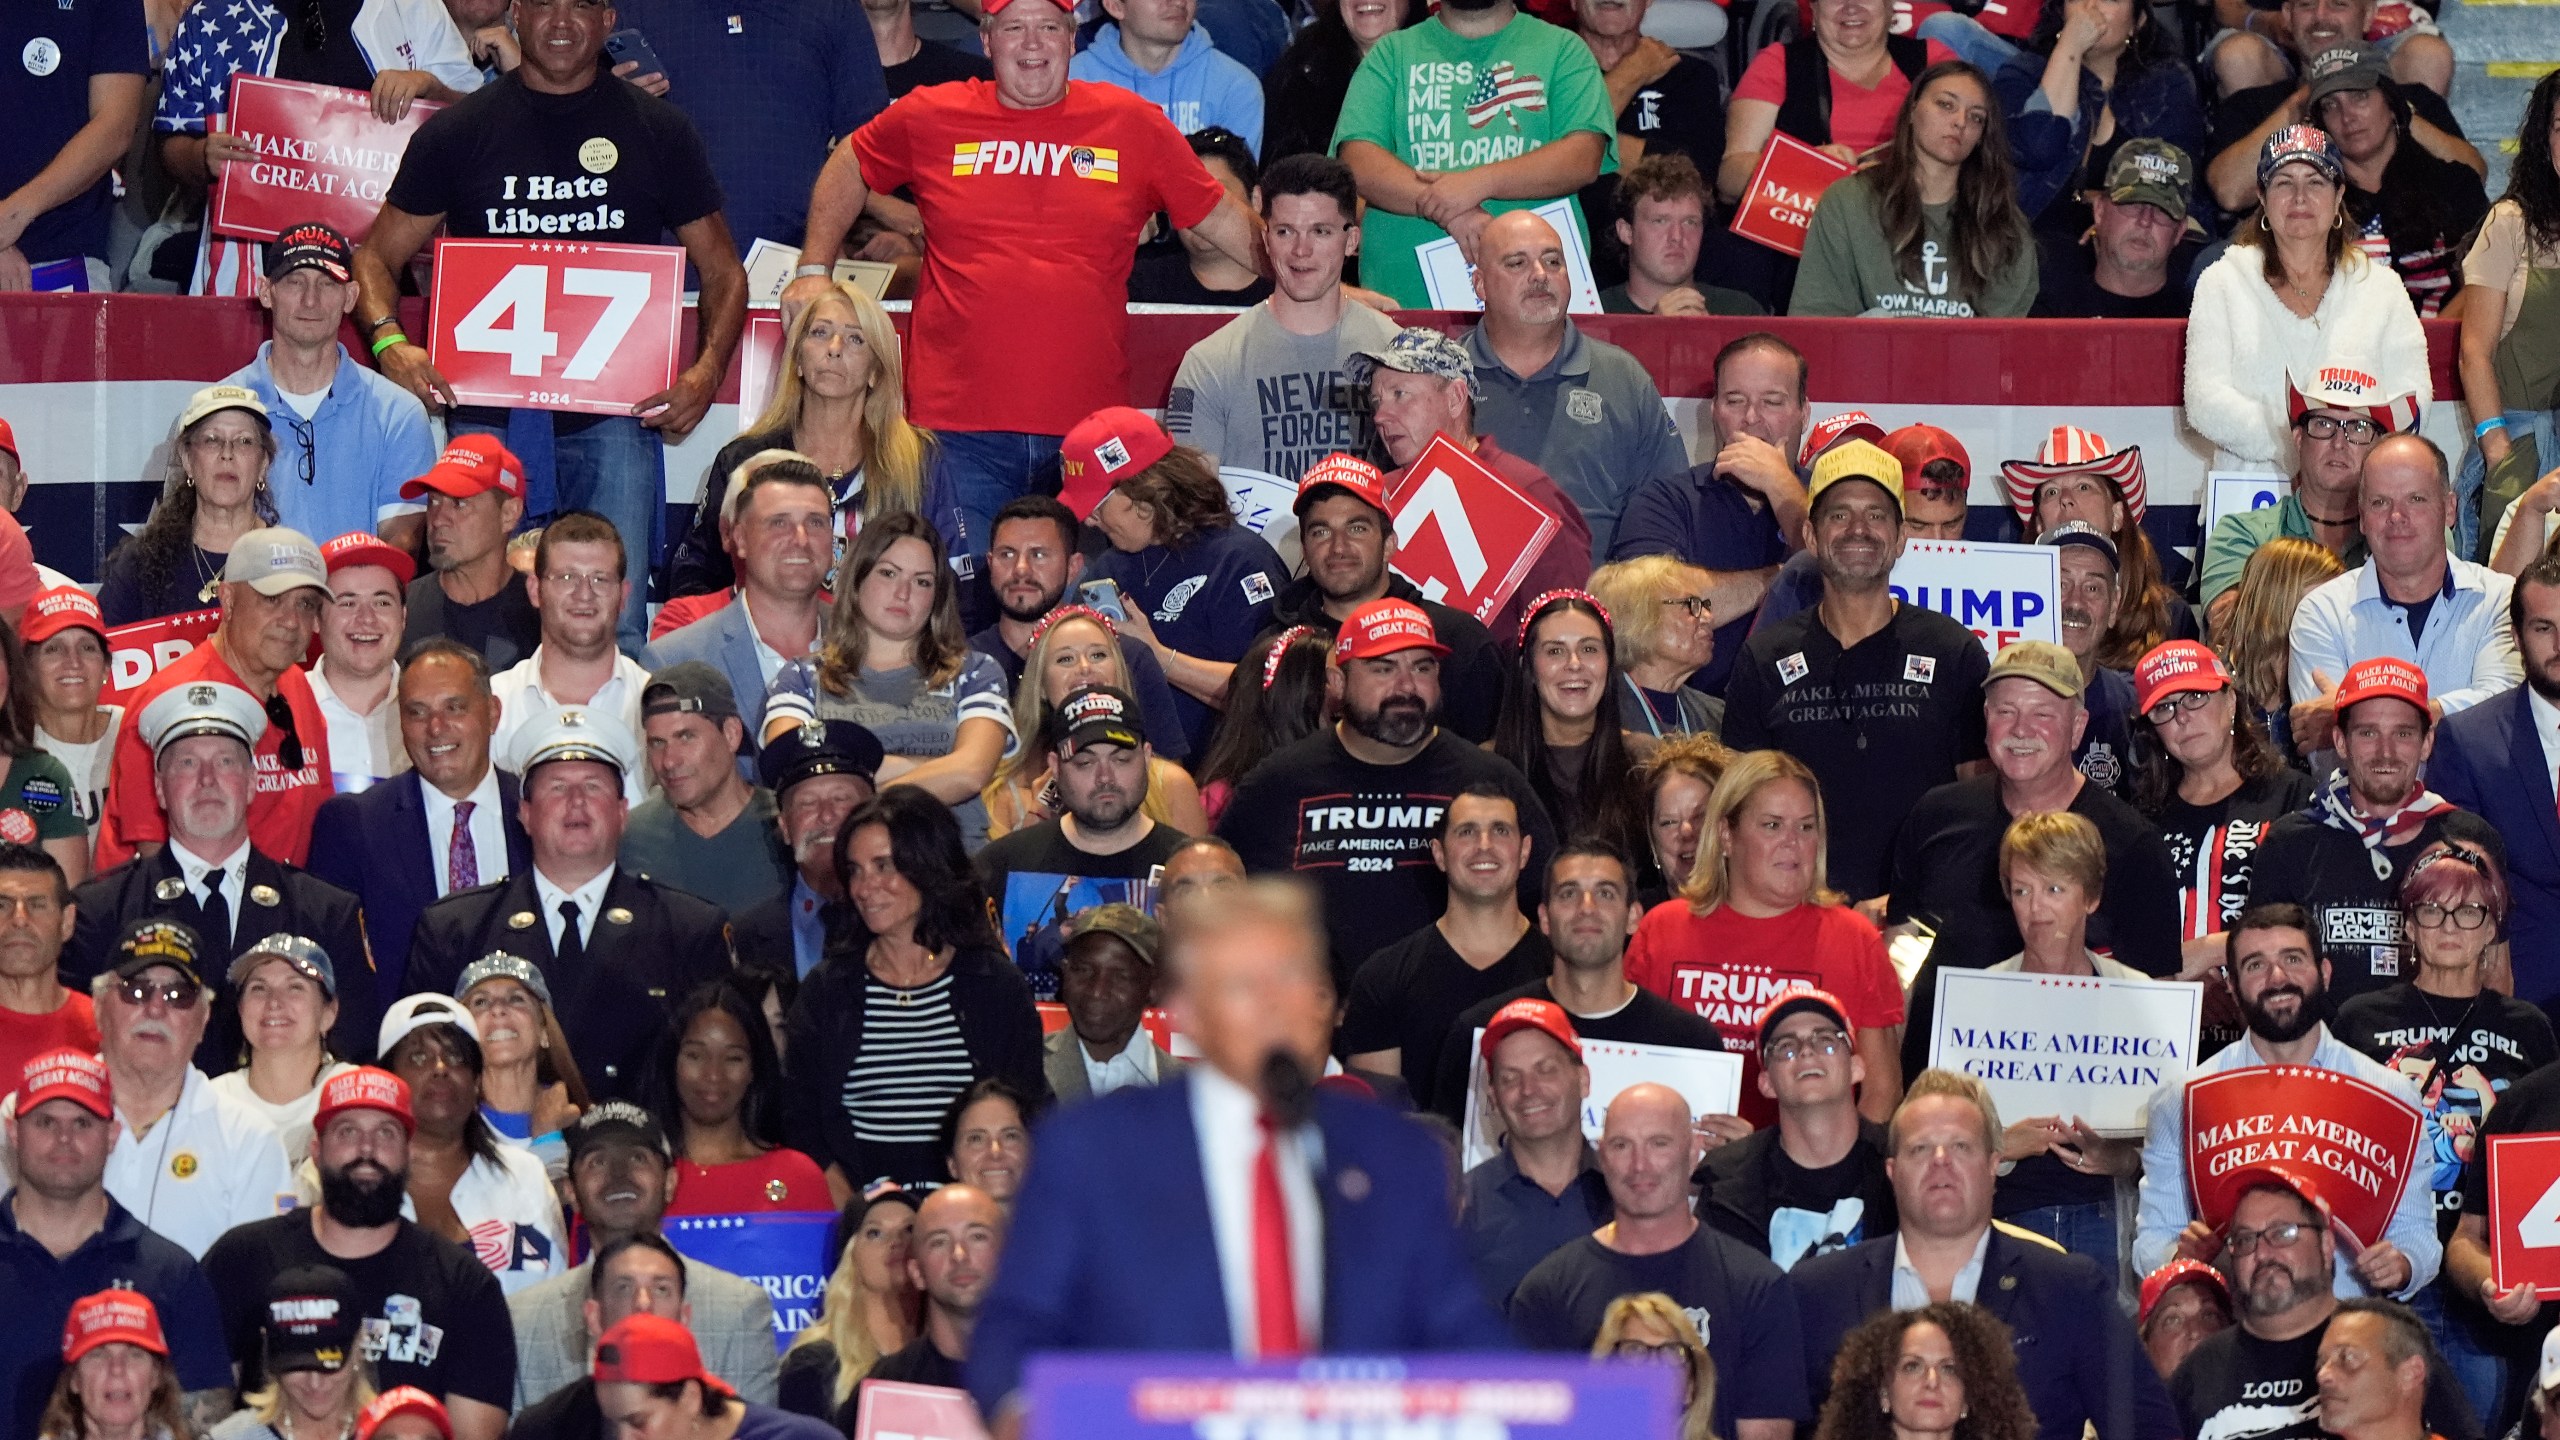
(1441, 1397)
(783, 1251)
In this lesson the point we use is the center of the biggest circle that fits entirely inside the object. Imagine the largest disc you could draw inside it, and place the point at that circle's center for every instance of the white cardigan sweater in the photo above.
(2243, 344)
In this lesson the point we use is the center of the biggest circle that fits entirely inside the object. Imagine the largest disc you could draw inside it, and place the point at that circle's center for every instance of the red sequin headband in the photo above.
(1051, 621)
(1529, 616)
(1279, 647)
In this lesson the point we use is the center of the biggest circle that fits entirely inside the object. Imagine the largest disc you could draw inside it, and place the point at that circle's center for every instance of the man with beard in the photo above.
(2337, 419)
(580, 571)
(2086, 606)
(2282, 987)
(434, 1316)
(2496, 760)
(707, 831)
(2344, 857)
(2260, 1378)
(1104, 833)
(779, 530)
(2134, 262)
(817, 772)
(1876, 696)
(475, 500)
(357, 671)
(1354, 806)
(1031, 564)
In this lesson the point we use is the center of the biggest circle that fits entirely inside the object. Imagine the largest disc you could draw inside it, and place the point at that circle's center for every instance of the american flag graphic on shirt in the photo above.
(216, 40)
(1500, 90)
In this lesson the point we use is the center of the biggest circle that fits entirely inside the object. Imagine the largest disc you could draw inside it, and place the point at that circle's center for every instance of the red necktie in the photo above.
(462, 858)
(1275, 1287)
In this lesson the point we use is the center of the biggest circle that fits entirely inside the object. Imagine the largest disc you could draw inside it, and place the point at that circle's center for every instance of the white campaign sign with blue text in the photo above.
(2228, 492)
(2002, 593)
(2067, 1046)
(1710, 1080)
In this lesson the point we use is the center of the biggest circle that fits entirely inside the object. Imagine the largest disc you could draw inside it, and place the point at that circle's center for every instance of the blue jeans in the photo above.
(2081, 1229)
(980, 470)
(2481, 1372)
(617, 468)
(1973, 44)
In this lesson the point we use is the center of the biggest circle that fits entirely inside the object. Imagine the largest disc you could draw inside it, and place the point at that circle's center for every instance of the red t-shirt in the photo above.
(1033, 219)
(72, 1025)
(777, 1180)
(1860, 119)
(1728, 966)
(281, 802)
(18, 579)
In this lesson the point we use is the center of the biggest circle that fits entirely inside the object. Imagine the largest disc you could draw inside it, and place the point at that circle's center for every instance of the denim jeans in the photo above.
(1973, 44)
(615, 467)
(2081, 1229)
(980, 470)
(2481, 1372)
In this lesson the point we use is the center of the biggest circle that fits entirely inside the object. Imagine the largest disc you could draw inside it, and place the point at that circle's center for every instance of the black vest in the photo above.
(1806, 112)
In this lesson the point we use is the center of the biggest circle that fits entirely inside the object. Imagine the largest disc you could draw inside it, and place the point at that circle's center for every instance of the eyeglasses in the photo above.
(2161, 713)
(224, 446)
(1698, 606)
(593, 582)
(2431, 916)
(314, 26)
(2359, 431)
(308, 456)
(1639, 1350)
(2280, 1236)
(1789, 1048)
(280, 715)
(176, 994)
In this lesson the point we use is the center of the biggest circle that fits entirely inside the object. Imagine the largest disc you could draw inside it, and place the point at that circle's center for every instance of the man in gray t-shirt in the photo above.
(1267, 391)
(706, 831)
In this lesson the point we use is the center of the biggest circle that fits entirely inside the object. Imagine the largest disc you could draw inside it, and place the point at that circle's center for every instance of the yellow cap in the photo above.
(1855, 460)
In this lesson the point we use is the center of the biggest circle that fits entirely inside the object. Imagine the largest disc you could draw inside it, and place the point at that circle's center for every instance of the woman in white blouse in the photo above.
(288, 991)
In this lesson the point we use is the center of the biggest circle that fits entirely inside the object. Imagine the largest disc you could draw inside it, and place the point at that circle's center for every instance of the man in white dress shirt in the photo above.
(577, 587)
(359, 666)
(1107, 978)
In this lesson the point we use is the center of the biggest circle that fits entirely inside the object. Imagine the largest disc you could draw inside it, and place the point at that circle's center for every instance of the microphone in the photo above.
(1288, 1095)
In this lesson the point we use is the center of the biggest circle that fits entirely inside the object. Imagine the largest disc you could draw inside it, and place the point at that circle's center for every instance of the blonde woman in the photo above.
(2257, 637)
(839, 400)
(1758, 905)
(1651, 1327)
(1073, 647)
(870, 1309)
(318, 1380)
(1666, 632)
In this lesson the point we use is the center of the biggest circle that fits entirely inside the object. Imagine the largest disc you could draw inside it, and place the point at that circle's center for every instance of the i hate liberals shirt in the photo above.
(610, 164)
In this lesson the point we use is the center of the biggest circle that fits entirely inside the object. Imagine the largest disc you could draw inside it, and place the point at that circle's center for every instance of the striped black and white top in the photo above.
(912, 1065)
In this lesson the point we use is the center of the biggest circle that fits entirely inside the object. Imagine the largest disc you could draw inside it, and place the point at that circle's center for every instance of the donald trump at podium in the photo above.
(1235, 1209)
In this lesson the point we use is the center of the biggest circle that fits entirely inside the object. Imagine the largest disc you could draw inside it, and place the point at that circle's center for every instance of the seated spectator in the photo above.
(117, 1379)
(475, 499)
(287, 989)
(650, 1375)
(986, 1138)
(2086, 605)
(631, 1274)
(2417, 211)
(909, 60)
(530, 1088)
(1677, 781)
(1176, 553)
(1269, 707)
(2335, 425)
(1561, 720)
(1302, 93)
(1650, 1327)
(65, 638)
(2076, 476)
(2087, 1369)
(1542, 1189)
(73, 123)
(817, 774)
(2089, 69)
(215, 491)
(1031, 563)
(919, 952)
(780, 531)
(352, 437)
(357, 672)
(1268, 390)
(2376, 1365)
(2258, 633)
(1940, 1370)
(1530, 360)
(870, 1308)
(1072, 647)
(406, 1277)
(1653, 1243)
(581, 570)
(318, 1379)
(705, 829)
(1663, 209)
(38, 1013)
(1664, 625)
(35, 787)
(1186, 269)
(2294, 293)
(1158, 51)
(1403, 999)
(1106, 980)
(1815, 1181)
(2515, 241)
(2260, 70)
(464, 1184)
(2135, 257)
(839, 402)
(1944, 187)
(2184, 1304)
(893, 661)
(952, 1258)
(1667, 103)
(718, 1092)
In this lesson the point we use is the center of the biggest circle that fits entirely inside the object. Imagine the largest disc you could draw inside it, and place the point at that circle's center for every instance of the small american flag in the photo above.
(1501, 89)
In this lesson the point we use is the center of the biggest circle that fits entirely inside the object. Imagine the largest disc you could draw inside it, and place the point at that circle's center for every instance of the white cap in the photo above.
(417, 1012)
(203, 707)
(573, 733)
(274, 560)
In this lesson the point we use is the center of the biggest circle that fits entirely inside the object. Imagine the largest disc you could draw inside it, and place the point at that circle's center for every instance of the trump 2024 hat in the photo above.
(274, 560)
(1383, 627)
(1096, 715)
(358, 548)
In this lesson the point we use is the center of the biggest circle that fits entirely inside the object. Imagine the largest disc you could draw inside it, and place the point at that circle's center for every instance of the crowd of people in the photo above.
(965, 795)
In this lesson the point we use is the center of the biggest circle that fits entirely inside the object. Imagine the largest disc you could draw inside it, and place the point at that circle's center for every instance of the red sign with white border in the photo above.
(321, 156)
(556, 324)
(136, 652)
(1464, 537)
(894, 1410)
(1777, 206)
(2355, 1140)
(2524, 1212)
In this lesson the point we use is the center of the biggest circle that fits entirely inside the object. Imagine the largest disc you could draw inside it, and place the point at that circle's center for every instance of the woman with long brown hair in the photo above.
(1560, 721)
(1934, 228)
(2257, 637)
(1279, 701)
(212, 492)
(117, 1382)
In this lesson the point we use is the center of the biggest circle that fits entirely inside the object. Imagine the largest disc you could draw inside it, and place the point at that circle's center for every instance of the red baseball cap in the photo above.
(9, 441)
(2179, 1272)
(1347, 473)
(2385, 678)
(2176, 667)
(2282, 1177)
(1107, 447)
(1839, 427)
(358, 547)
(67, 1075)
(652, 1350)
(403, 1400)
(64, 607)
(471, 465)
(1807, 998)
(1383, 627)
(996, 6)
(1544, 1016)
(367, 1087)
(1917, 445)
(112, 1317)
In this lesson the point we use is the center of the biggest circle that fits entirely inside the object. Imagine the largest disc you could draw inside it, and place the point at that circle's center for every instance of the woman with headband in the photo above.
(1560, 721)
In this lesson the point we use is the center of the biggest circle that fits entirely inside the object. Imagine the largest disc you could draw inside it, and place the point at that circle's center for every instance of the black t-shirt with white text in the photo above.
(2354, 905)
(1405, 996)
(1038, 878)
(609, 164)
(2462, 1054)
(2236, 1386)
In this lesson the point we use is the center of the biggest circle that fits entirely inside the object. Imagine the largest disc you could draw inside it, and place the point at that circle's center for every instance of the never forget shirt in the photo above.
(1038, 879)
(1404, 997)
(2355, 910)
(434, 1317)
(1256, 395)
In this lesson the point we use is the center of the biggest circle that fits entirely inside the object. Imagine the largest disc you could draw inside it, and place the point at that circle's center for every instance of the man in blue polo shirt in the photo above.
(69, 113)
(346, 438)
(62, 1236)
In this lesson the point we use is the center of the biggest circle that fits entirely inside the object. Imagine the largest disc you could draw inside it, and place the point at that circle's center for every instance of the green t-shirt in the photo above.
(1849, 269)
(1439, 102)
(36, 801)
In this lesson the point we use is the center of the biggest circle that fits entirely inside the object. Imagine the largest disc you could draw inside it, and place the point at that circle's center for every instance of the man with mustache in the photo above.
(2282, 986)
(1031, 563)
(1103, 833)
(434, 1316)
(2086, 606)
(817, 772)
(358, 669)
(2134, 262)
(1353, 807)
(580, 572)
(2343, 858)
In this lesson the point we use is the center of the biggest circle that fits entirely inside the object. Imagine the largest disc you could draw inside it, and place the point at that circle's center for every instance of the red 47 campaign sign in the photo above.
(556, 324)
(2356, 1141)
(893, 1410)
(1777, 206)
(1464, 537)
(321, 156)
(2524, 1212)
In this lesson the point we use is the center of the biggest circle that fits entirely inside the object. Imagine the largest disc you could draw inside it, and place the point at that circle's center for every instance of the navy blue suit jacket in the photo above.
(374, 843)
(726, 641)
(1111, 1246)
(2488, 761)
(2078, 1357)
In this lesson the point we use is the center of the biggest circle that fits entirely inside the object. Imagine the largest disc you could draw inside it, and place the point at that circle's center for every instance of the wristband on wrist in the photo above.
(2494, 422)
(387, 341)
(822, 271)
(375, 325)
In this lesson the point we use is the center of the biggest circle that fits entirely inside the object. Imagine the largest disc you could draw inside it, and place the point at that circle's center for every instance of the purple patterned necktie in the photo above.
(462, 859)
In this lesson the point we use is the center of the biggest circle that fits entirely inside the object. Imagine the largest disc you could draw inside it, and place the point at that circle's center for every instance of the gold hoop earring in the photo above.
(2262, 223)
